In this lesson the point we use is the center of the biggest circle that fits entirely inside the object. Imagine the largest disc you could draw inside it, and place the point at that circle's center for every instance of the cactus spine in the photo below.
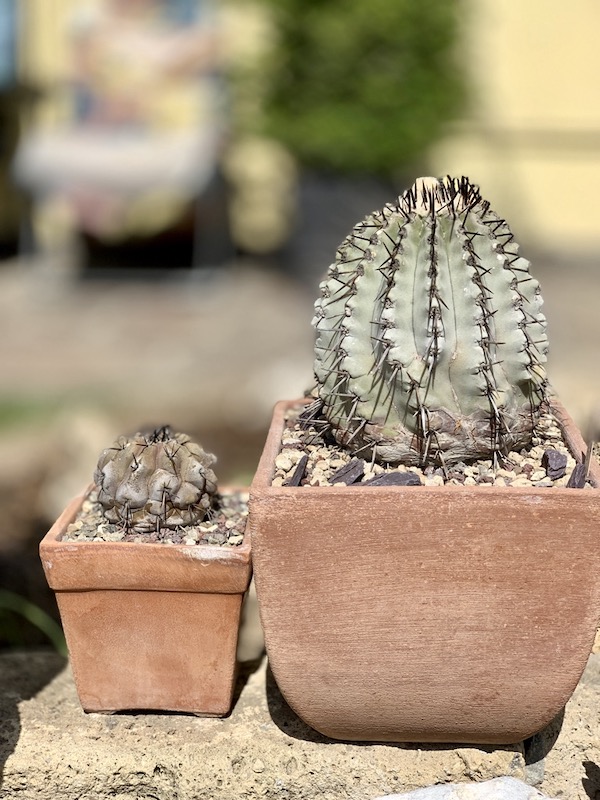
(431, 343)
(156, 480)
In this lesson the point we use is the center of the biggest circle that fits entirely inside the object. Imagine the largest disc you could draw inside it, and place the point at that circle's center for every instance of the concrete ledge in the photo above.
(50, 749)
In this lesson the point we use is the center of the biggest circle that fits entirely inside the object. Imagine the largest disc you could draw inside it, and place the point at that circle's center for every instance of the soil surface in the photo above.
(224, 525)
(309, 457)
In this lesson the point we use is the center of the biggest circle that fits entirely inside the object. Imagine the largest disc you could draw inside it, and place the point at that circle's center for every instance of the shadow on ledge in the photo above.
(591, 783)
(22, 675)
(540, 744)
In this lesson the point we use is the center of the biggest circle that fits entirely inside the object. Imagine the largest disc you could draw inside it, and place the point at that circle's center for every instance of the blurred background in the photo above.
(175, 178)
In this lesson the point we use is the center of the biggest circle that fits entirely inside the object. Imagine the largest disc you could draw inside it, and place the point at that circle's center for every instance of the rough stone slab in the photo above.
(50, 749)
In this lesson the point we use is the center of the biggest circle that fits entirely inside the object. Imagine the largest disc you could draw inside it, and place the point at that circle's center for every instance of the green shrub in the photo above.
(362, 87)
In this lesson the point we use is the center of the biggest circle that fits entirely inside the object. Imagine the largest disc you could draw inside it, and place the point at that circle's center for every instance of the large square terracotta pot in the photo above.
(427, 614)
(148, 626)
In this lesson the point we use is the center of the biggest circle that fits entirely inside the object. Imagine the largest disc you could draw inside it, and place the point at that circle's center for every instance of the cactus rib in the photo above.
(155, 480)
(431, 343)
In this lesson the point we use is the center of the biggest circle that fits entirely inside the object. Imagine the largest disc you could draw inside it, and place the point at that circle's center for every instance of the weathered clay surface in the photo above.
(49, 748)
(128, 608)
(447, 613)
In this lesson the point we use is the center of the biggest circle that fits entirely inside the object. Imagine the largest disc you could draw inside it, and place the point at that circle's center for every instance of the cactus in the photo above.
(156, 480)
(431, 343)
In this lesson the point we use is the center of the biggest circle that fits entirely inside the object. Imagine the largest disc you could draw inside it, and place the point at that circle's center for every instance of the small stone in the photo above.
(554, 463)
(434, 480)
(283, 462)
(457, 472)
(298, 475)
(349, 473)
(394, 479)
(537, 475)
(578, 477)
(114, 535)
(521, 480)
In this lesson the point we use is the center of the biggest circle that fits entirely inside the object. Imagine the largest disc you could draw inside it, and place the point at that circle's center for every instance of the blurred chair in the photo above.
(138, 157)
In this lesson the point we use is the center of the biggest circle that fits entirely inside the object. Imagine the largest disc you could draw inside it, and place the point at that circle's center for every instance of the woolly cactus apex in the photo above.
(153, 481)
(431, 343)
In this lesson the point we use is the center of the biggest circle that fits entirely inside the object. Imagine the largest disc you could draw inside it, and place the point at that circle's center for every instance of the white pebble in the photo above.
(506, 473)
(283, 462)
(521, 481)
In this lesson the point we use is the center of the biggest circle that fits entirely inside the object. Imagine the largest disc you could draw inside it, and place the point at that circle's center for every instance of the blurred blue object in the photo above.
(8, 43)
(183, 12)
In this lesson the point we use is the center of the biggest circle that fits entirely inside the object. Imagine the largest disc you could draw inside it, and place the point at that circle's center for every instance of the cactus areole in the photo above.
(431, 344)
(155, 480)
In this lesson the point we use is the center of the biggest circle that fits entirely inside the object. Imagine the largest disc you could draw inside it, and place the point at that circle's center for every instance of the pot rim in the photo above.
(142, 565)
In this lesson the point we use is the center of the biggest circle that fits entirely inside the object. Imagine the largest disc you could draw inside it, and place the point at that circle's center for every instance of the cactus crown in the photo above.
(431, 343)
(155, 480)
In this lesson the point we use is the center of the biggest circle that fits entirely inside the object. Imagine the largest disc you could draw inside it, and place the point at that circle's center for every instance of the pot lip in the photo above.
(261, 484)
(53, 541)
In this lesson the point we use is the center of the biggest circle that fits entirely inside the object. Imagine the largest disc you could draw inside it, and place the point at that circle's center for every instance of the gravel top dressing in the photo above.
(224, 525)
(307, 459)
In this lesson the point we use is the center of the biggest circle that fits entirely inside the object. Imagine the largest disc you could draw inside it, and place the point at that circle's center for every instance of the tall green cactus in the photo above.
(431, 343)
(156, 480)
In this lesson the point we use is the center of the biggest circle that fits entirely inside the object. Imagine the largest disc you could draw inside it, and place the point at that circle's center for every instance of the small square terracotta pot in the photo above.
(426, 614)
(148, 626)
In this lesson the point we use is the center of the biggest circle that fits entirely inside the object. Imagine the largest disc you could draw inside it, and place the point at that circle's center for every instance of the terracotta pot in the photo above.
(148, 626)
(426, 614)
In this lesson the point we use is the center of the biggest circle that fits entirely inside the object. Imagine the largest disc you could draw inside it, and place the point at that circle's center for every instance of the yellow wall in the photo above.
(42, 54)
(532, 137)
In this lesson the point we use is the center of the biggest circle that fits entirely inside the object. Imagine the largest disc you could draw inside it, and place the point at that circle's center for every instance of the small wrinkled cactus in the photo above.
(158, 480)
(431, 343)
